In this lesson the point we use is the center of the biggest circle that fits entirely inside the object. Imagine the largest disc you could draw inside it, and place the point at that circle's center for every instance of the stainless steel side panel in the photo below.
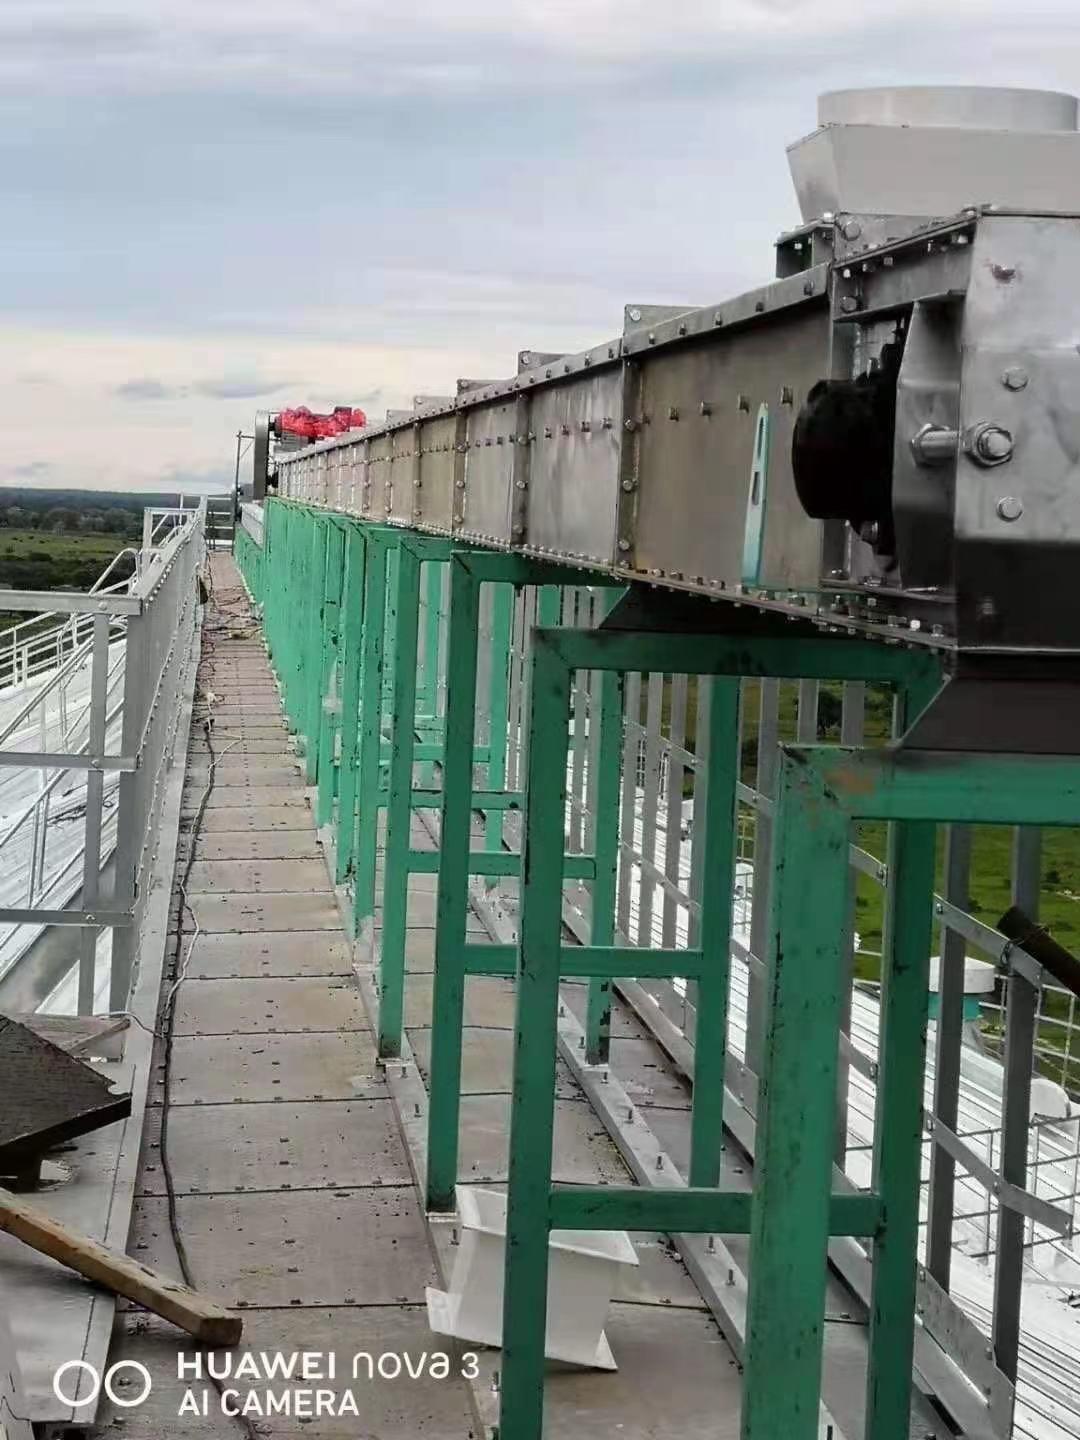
(402, 506)
(573, 482)
(489, 463)
(1016, 577)
(438, 470)
(696, 413)
(380, 455)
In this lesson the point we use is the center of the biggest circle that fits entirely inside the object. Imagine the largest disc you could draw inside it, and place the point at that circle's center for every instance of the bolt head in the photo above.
(1010, 507)
(849, 304)
(1015, 378)
(852, 230)
(991, 444)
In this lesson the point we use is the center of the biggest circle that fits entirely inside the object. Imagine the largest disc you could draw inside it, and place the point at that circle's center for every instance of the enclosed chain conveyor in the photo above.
(864, 472)
(601, 760)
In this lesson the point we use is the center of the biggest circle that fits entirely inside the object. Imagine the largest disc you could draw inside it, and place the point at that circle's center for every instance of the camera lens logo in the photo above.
(97, 1381)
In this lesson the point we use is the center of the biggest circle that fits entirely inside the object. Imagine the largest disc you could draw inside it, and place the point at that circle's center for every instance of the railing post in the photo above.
(95, 780)
(352, 629)
(899, 1109)
(369, 744)
(399, 800)
(1020, 1029)
(796, 1114)
(532, 1115)
(329, 675)
(448, 997)
(950, 1038)
(718, 814)
(606, 791)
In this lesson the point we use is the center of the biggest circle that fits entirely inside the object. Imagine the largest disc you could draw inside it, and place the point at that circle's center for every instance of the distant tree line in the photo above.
(77, 512)
(63, 520)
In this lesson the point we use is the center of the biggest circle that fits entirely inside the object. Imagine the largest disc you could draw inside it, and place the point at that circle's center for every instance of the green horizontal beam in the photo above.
(431, 750)
(481, 799)
(966, 789)
(692, 1210)
(495, 566)
(505, 862)
(828, 657)
(599, 962)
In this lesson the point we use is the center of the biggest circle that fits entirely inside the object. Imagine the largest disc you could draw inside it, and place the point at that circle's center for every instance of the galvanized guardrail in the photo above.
(85, 745)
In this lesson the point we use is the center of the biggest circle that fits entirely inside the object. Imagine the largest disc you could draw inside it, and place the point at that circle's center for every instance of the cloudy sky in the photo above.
(217, 205)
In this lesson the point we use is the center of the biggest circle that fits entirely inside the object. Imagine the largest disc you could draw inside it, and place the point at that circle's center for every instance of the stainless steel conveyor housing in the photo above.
(885, 437)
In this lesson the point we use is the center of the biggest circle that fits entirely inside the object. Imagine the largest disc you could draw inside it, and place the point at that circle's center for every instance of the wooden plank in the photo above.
(202, 1318)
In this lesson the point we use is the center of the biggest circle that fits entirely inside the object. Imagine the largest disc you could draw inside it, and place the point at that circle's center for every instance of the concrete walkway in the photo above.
(294, 1192)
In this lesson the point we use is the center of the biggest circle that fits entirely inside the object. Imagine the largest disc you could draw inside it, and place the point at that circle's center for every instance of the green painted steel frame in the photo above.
(454, 958)
(249, 555)
(341, 602)
(792, 1213)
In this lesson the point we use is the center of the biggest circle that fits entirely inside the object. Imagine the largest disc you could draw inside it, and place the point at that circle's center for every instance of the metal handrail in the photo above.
(128, 707)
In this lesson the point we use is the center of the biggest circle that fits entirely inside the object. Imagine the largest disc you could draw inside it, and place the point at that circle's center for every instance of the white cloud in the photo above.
(370, 198)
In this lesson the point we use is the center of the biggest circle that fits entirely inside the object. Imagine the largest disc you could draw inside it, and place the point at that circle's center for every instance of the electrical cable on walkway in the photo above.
(167, 1020)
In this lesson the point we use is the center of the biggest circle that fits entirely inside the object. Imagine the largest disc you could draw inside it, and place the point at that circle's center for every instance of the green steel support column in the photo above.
(548, 605)
(898, 1121)
(399, 807)
(293, 598)
(797, 1113)
(502, 614)
(285, 560)
(429, 698)
(718, 815)
(370, 731)
(300, 542)
(326, 766)
(312, 687)
(532, 1114)
(606, 846)
(448, 999)
(352, 629)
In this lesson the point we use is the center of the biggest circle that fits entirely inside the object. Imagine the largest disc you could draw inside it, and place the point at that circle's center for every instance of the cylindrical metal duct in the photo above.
(978, 107)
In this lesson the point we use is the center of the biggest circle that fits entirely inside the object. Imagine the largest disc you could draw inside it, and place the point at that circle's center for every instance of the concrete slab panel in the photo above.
(489, 1001)
(640, 1067)
(257, 740)
(575, 994)
(256, 876)
(676, 1377)
(217, 1069)
(583, 1152)
(269, 954)
(265, 911)
(225, 1007)
(310, 1145)
(298, 1248)
(253, 817)
(257, 845)
(225, 796)
(487, 1063)
(660, 1278)
(256, 771)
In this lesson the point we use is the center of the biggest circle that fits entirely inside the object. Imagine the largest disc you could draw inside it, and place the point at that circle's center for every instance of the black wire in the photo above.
(166, 1028)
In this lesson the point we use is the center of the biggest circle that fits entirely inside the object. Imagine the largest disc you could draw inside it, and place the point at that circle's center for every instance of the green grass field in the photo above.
(991, 851)
(38, 560)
